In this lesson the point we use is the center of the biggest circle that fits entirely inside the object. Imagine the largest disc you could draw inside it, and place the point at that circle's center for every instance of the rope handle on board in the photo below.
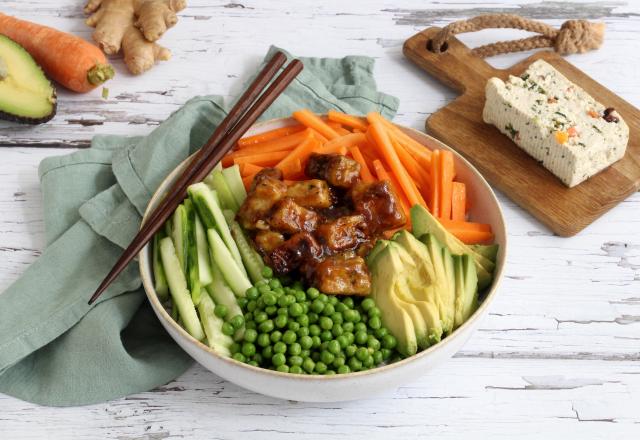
(574, 36)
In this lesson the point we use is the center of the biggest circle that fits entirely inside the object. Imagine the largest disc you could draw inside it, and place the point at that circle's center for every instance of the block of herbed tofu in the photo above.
(556, 122)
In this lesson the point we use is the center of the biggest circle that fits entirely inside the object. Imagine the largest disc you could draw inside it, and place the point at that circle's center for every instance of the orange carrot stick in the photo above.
(417, 173)
(264, 159)
(288, 164)
(365, 173)
(446, 178)
(279, 144)
(382, 141)
(348, 141)
(247, 181)
(311, 120)
(467, 226)
(348, 120)
(270, 135)
(248, 169)
(338, 128)
(472, 237)
(435, 183)
(419, 151)
(458, 201)
(382, 174)
(73, 62)
(332, 149)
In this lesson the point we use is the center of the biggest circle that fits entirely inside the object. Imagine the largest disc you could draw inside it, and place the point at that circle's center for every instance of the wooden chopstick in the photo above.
(207, 163)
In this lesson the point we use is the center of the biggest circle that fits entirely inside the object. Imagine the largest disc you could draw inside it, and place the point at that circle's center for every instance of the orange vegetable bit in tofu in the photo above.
(353, 122)
(572, 132)
(447, 172)
(270, 135)
(381, 138)
(311, 120)
(458, 201)
(561, 137)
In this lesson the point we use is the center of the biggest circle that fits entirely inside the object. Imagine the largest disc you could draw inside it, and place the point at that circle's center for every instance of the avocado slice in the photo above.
(396, 315)
(421, 290)
(26, 95)
(446, 290)
(489, 251)
(466, 282)
(424, 223)
(373, 253)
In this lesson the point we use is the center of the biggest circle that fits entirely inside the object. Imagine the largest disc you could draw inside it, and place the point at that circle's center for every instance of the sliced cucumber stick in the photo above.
(252, 261)
(160, 280)
(204, 263)
(193, 274)
(212, 325)
(179, 232)
(234, 182)
(178, 289)
(221, 257)
(218, 183)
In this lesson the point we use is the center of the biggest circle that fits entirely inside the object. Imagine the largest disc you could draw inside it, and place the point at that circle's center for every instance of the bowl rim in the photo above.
(146, 270)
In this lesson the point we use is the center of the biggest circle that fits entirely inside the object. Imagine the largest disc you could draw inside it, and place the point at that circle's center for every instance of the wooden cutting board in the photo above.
(459, 124)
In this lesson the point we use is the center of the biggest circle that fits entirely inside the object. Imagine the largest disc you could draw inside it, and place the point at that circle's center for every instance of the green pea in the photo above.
(375, 323)
(328, 310)
(242, 302)
(324, 298)
(337, 317)
(295, 349)
(350, 337)
(303, 320)
(360, 327)
(314, 330)
(295, 360)
(313, 317)
(306, 342)
(300, 296)
(342, 341)
(330, 372)
(344, 369)
(278, 359)
(252, 293)
(377, 357)
(252, 305)
(275, 283)
(269, 299)
(333, 300)
(262, 283)
(253, 363)
(326, 323)
(239, 357)
(350, 350)
(267, 352)
(339, 361)
(234, 348)
(248, 349)
(250, 335)
(337, 330)
(263, 339)
(381, 332)
(312, 293)
(386, 353)
(303, 331)
(350, 315)
(355, 364)
(276, 336)
(341, 308)
(295, 310)
(326, 335)
(266, 326)
(327, 357)
(389, 341)
(279, 347)
(334, 347)
(308, 365)
(228, 329)
(347, 326)
(281, 321)
(289, 337)
(278, 291)
(257, 357)
(367, 304)
(305, 354)
(305, 307)
(220, 310)
(267, 272)
(270, 310)
(348, 301)
(320, 368)
(250, 325)
(283, 311)
(368, 361)
(316, 341)
(317, 306)
(293, 326)
(362, 353)
(296, 369)
(260, 317)
(374, 311)
(361, 337)
(373, 343)
(264, 288)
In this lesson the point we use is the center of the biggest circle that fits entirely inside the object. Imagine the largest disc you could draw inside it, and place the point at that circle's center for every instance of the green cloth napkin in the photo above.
(54, 348)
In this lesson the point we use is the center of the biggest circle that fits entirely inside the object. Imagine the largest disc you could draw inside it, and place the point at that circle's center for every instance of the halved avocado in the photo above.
(26, 95)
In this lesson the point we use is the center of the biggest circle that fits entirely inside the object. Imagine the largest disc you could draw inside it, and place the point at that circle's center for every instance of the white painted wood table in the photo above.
(558, 356)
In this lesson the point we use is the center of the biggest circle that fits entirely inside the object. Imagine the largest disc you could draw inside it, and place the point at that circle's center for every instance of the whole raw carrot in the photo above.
(73, 62)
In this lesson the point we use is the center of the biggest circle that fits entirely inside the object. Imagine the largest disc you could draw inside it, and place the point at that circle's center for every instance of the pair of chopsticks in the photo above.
(251, 105)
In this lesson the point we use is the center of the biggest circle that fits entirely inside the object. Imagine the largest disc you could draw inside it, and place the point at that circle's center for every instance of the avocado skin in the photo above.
(31, 121)
(6, 116)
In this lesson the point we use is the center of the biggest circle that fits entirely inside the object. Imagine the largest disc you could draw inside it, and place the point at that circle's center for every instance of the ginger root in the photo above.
(133, 26)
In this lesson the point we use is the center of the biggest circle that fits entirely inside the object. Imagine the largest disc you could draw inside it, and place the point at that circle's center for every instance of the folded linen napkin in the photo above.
(54, 348)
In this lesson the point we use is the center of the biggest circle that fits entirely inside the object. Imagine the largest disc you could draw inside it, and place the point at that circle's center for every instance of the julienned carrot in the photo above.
(338, 128)
(419, 151)
(382, 174)
(248, 169)
(246, 180)
(365, 173)
(446, 180)
(464, 225)
(381, 137)
(348, 120)
(264, 159)
(73, 62)
(417, 173)
(288, 142)
(332, 149)
(311, 120)
(270, 135)
(289, 165)
(435, 183)
(349, 140)
(471, 237)
(458, 201)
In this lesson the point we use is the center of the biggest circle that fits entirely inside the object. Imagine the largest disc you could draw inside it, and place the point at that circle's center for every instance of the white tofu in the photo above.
(556, 122)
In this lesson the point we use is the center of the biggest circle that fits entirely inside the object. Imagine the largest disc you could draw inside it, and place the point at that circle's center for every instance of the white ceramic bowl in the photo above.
(308, 388)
